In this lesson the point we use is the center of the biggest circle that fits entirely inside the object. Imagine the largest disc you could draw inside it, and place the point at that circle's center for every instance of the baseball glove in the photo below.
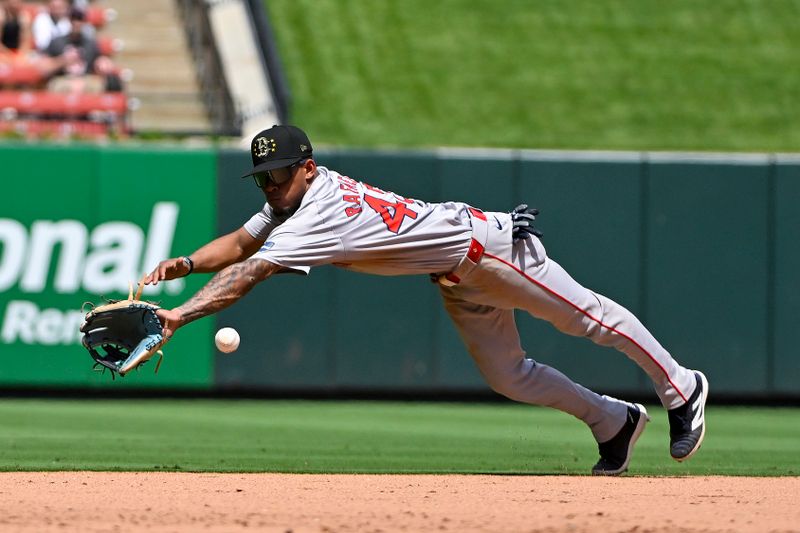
(123, 334)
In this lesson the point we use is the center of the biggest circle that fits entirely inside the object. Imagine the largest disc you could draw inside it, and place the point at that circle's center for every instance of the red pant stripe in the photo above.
(554, 293)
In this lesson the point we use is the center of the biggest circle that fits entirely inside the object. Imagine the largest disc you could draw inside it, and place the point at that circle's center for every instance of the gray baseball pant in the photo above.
(521, 276)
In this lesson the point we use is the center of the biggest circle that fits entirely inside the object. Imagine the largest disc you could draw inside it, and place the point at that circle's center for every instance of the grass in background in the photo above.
(361, 437)
(617, 74)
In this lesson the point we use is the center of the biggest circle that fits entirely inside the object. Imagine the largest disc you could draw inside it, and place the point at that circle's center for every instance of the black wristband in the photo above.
(189, 262)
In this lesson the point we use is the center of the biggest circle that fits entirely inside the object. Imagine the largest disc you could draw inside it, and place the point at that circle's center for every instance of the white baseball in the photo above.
(227, 340)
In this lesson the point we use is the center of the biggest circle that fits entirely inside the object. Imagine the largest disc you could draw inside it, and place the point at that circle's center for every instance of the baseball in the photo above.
(227, 340)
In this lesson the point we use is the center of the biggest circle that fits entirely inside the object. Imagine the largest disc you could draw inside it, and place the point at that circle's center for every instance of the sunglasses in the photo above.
(277, 176)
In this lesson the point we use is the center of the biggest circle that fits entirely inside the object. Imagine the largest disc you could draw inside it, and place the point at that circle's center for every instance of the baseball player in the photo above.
(486, 265)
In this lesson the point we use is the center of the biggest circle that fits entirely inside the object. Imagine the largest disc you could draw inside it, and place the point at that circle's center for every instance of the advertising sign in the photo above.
(80, 225)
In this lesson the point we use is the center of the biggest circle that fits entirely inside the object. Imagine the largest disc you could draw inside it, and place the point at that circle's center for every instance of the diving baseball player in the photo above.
(486, 265)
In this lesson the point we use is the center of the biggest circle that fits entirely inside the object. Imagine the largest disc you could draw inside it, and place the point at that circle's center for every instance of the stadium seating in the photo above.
(20, 74)
(108, 46)
(96, 16)
(70, 104)
(67, 114)
(57, 128)
(28, 109)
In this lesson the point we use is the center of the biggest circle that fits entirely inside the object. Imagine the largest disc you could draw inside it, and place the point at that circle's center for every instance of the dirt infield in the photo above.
(182, 502)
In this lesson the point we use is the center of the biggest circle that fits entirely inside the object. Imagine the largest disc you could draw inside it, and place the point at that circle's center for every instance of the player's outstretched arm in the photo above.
(225, 288)
(212, 257)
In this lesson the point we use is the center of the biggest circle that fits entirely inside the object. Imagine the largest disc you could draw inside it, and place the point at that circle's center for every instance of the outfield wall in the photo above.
(700, 247)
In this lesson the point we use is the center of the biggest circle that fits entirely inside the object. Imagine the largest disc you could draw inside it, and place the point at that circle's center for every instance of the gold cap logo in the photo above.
(262, 147)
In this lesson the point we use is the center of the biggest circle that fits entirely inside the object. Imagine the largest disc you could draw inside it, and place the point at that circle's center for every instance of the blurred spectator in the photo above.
(85, 45)
(108, 71)
(83, 5)
(83, 69)
(51, 24)
(15, 28)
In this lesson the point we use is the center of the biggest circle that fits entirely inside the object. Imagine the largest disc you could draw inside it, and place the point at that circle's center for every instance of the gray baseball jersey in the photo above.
(356, 226)
(483, 276)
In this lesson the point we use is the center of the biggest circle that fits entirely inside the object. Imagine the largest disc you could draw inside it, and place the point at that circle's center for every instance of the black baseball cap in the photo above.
(277, 147)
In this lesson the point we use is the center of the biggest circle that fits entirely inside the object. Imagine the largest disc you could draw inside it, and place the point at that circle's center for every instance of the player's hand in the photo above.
(171, 320)
(522, 218)
(166, 270)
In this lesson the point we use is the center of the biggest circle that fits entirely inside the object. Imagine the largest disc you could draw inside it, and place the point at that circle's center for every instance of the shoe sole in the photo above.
(644, 418)
(704, 383)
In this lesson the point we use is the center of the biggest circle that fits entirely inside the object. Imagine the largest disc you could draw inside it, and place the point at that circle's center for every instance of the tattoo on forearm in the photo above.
(225, 288)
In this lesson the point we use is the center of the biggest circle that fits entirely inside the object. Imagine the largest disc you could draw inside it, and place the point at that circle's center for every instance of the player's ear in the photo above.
(310, 166)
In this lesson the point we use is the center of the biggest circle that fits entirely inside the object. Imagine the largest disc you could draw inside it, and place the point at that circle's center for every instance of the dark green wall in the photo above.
(784, 268)
(707, 256)
(701, 248)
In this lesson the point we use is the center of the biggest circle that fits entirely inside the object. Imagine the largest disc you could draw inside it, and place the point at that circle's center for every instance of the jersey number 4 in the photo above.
(392, 213)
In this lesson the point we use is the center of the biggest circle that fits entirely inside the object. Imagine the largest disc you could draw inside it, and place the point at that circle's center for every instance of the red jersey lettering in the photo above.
(393, 220)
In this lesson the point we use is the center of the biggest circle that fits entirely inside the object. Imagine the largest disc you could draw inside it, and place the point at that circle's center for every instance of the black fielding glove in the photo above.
(123, 334)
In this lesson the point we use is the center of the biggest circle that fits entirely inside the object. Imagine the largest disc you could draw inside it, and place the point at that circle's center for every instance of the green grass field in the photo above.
(367, 437)
(617, 74)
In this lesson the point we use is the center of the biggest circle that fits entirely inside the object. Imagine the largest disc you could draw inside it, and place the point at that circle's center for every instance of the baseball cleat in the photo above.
(687, 423)
(615, 454)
